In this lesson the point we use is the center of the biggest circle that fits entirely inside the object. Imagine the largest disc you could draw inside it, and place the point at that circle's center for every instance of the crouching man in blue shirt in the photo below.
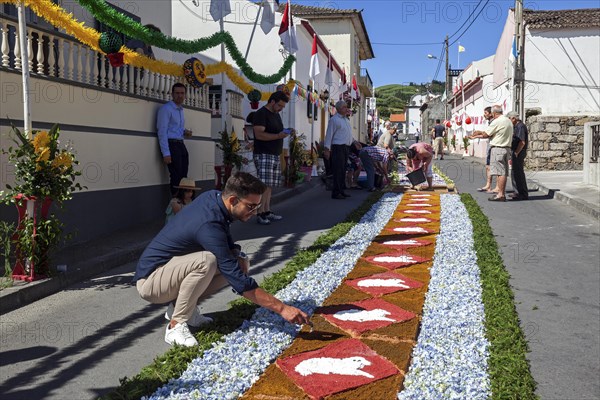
(181, 261)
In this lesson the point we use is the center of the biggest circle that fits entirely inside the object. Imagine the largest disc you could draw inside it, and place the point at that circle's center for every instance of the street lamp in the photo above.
(431, 56)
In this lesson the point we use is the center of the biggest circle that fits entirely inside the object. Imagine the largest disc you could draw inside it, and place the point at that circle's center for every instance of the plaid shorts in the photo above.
(268, 168)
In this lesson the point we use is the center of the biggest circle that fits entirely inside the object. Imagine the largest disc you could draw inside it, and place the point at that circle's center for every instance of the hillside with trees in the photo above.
(391, 99)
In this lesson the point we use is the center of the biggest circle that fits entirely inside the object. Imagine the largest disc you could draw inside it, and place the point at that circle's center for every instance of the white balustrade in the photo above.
(5, 47)
(70, 61)
(54, 54)
(51, 57)
(61, 58)
(30, 51)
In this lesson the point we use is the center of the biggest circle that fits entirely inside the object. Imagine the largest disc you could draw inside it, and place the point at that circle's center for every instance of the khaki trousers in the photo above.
(438, 145)
(184, 278)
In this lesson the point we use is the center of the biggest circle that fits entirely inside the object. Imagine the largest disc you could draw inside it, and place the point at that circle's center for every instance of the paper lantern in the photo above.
(194, 72)
(110, 42)
(468, 120)
(448, 124)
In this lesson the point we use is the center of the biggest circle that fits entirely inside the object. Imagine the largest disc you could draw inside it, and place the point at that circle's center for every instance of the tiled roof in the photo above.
(397, 118)
(560, 19)
(303, 10)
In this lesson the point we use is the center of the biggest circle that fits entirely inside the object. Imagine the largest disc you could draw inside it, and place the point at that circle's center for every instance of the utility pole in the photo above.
(448, 83)
(519, 68)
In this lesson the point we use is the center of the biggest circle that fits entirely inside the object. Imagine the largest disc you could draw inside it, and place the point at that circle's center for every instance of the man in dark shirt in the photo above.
(268, 144)
(519, 151)
(438, 133)
(180, 262)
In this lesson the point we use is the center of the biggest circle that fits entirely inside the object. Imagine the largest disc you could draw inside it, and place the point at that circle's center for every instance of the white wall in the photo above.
(561, 71)
(116, 143)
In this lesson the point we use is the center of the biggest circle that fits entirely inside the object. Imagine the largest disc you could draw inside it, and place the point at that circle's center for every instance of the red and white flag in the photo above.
(354, 90)
(287, 31)
(328, 73)
(343, 86)
(314, 59)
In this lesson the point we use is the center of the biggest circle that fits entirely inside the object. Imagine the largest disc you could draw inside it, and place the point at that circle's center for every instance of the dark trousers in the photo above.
(369, 168)
(339, 157)
(179, 163)
(519, 181)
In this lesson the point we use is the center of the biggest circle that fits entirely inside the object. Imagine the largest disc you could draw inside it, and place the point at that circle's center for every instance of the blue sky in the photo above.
(428, 21)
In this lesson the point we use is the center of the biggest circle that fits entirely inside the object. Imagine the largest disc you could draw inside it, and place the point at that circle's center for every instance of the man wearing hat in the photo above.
(179, 264)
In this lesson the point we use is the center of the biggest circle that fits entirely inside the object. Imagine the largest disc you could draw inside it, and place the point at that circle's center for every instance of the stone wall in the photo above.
(556, 142)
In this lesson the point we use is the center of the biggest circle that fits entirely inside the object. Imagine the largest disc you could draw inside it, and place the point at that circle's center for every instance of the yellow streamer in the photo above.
(58, 17)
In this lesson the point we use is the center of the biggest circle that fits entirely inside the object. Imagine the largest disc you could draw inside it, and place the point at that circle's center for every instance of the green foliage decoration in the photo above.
(104, 13)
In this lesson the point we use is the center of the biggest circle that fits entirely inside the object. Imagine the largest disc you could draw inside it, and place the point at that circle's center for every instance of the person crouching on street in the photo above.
(180, 262)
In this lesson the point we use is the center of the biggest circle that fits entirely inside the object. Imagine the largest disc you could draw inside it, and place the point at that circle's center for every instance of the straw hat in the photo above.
(187, 183)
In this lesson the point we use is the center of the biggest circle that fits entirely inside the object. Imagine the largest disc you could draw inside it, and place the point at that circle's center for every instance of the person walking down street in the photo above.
(337, 144)
(185, 195)
(420, 155)
(417, 134)
(519, 151)
(501, 132)
(439, 133)
(180, 262)
(170, 125)
(375, 158)
(268, 145)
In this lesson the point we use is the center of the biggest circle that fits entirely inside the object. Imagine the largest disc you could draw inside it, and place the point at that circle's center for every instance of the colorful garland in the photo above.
(58, 17)
(122, 23)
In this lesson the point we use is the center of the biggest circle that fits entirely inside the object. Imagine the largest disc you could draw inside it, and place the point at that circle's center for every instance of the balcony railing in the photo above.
(234, 101)
(364, 80)
(56, 55)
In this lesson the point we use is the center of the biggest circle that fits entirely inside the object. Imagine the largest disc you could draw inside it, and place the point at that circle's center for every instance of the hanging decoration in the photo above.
(194, 72)
(468, 120)
(111, 43)
(284, 88)
(254, 97)
(448, 124)
(124, 24)
(58, 17)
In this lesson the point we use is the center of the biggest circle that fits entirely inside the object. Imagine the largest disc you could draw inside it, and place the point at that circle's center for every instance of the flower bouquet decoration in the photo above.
(44, 173)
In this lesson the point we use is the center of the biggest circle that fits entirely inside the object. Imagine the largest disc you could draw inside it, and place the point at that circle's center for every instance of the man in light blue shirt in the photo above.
(170, 125)
(337, 146)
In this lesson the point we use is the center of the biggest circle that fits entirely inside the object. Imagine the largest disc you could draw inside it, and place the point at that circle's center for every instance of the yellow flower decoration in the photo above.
(235, 144)
(44, 154)
(63, 161)
(40, 140)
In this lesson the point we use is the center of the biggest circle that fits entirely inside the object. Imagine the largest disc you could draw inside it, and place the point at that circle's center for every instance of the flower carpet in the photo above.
(396, 312)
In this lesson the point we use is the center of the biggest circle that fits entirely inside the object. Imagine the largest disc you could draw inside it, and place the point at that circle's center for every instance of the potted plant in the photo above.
(45, 173)
(230, 146)
(466, 144)
(295, 160)
(7, 231)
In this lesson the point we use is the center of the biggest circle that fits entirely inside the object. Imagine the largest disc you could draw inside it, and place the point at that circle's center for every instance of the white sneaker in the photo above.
(263, 220)
(180, 334)
(196, 320)
(274, 217)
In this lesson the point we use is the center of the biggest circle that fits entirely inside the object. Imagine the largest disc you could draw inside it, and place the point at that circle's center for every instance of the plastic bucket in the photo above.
(416, 177)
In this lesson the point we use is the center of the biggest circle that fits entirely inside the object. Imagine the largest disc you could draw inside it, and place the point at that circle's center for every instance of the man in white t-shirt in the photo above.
(500, 131)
